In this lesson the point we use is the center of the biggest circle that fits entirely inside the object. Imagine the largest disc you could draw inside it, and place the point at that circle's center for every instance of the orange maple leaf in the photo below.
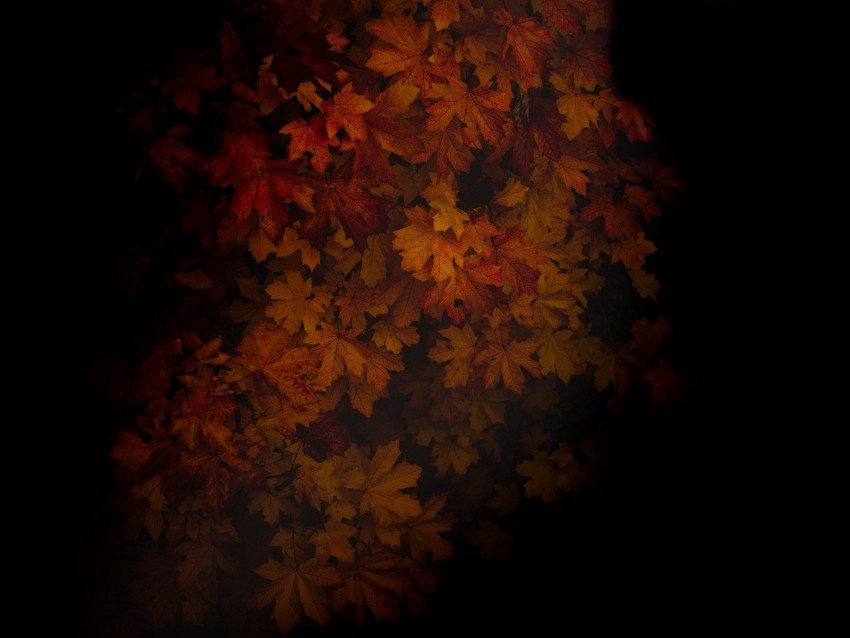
(564, 14)
(295, 304)
(456, 353)
(346, 111)
(423, 534)
(383, 483)
(445, 12)
(527, 38)
(341, 351)
(481, 109)
(471, 287)
(297, 589)
(419, 243)
(407, 56)
(517, 259)
(505, 363)
(310, 138)
(376, 582)
(451, 147)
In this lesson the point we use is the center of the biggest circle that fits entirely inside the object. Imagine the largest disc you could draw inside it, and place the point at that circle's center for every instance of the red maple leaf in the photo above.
(191, 75)
(481, 109)
(177, 161)
(260, 183)
(618, 217)
(345, 196)
(527, 38)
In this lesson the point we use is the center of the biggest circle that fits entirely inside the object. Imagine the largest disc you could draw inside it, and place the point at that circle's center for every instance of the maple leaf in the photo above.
(506, 499)
(297, 589)
(174, 158)
(363, 396)
(645, 283)
(423, 534)
(558, 354)
(457, 353)
(537, 132)
(157, 503)
(334, 539)
(470, 288)
(632, 251)
(618, 217)
(385, 134)
(384, 481)
(634, 120)
(346, 111)
(587, 60)
(393, 337)
(578, 107)
(481, 109)
(452, 453)
(357, 301)
(451, 147)
(192, 74)
(420, 242)
(345, 196)
(643, 199)
(291, 369)
(203, 416)
(664, 381)
(341, 351)
(445, 12)
(517, 259)
(294, 303)
(544, 478)
(564, 14)
(260, 183)
(310, 138)
(407, 55)
(376, 582)
(492, 540)
(299, 55)
(373, 267)
(504, 364)
(528, 39)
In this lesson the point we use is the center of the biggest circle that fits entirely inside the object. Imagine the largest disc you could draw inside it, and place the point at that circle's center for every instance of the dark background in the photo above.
(675, 513)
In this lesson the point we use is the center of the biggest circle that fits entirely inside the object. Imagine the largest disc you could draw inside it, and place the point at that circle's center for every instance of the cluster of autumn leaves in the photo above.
(407, 211)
